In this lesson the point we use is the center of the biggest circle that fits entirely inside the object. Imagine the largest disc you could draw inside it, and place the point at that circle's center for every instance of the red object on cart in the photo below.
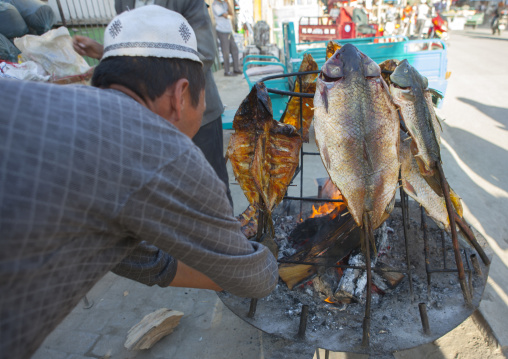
(322, 28)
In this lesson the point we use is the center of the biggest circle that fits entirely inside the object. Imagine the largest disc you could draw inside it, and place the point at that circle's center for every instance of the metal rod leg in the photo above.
(472, 239)
(252, 309)
(403, 203)
(424, 318)
(426, 250)
(366, 240)
(455, 241)
(476, 265)
(87, 303)
(303, 321)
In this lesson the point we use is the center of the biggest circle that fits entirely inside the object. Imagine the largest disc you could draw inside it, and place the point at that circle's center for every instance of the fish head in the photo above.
(347, 62)
(406, 76)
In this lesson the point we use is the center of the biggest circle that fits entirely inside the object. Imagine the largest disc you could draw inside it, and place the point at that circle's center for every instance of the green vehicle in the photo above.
(475, 20)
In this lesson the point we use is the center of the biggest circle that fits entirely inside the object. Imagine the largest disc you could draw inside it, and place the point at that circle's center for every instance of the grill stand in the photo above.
(268, 321)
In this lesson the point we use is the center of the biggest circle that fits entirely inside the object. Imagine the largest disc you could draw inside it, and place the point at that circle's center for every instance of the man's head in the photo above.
(151, 54)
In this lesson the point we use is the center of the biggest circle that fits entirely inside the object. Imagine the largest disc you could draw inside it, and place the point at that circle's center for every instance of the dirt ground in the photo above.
(470, 340)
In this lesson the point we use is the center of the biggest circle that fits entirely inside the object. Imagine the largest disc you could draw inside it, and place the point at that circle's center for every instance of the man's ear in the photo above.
(180, 88)
(173, 102)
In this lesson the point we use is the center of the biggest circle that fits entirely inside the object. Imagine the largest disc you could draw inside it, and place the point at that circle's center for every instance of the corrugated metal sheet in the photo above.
(84, 17)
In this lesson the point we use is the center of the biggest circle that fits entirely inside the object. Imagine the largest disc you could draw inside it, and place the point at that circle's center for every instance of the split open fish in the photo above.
(331, 48)
(262, 151)
(292, 114)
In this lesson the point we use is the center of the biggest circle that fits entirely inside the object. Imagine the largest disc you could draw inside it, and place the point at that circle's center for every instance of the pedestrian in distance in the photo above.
(224, 30)
(88, 172)
(421, 17)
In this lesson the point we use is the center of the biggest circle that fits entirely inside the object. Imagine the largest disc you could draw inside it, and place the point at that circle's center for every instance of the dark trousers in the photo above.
(210, 140)
(228, 45)
(419, 27)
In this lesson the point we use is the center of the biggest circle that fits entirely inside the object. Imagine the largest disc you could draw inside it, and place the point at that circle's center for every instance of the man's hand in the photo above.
(225, 15)
(87, 47)
(188, 277)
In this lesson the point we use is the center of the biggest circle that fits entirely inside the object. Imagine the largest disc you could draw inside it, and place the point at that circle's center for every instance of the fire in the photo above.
(328, 208)
(329, 300)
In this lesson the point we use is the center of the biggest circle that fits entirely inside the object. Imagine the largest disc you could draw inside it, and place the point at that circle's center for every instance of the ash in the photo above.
(395, 318)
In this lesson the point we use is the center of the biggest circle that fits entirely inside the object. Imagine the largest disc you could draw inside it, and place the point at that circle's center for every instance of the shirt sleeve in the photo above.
(196, 13)
(184, 211)
(218, 9)
(149, 265)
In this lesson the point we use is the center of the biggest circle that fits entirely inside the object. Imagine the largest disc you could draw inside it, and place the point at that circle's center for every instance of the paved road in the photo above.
(475, 152)
(475, 144)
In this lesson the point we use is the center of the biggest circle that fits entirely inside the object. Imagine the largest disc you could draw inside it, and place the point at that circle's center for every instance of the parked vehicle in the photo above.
(428, 56)
(500, 23)
(430, 61)
(475, 19)
(438, 29)
(349, 24)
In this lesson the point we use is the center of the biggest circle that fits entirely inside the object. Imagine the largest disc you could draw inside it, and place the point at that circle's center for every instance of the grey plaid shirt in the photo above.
(86, 174)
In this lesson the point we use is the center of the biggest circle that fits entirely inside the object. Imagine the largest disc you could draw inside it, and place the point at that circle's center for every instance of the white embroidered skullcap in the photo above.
(150, 30)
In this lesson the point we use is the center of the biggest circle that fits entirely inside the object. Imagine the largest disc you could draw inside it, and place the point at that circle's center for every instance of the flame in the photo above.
(329, 300)
(327, 208)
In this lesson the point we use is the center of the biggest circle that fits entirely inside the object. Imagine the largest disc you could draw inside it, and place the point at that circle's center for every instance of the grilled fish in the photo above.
(415, 185)
(387, 68)
(410, 92)
(263, 152)
(357, 133)
(249, 221)
(332, 48)
(292, 113)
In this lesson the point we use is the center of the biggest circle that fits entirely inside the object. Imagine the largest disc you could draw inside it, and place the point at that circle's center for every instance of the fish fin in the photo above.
(408, 188)
(366, 154)
(325, 156)
(388, 210)
(324, 96)
(439, 121)
(435, 93)
(408, 95)
(434, 181)
(456, 201)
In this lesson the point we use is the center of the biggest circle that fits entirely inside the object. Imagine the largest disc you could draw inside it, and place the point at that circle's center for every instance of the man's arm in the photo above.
(184, 211)
(196, 13)
(87, 47)
(149, 265)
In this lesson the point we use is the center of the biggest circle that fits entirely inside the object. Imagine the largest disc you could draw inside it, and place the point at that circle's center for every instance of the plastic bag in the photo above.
(26, 71)
(54, 52)
(37, 15)
(11, 22)
(8, 51)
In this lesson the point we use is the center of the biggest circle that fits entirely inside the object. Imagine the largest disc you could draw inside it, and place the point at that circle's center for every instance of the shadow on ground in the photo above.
(499, 114)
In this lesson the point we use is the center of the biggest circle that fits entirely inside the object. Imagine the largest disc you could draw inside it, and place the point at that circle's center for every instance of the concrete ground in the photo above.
(475, 158)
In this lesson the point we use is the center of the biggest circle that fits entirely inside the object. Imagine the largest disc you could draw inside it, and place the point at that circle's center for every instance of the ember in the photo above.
(335, 323)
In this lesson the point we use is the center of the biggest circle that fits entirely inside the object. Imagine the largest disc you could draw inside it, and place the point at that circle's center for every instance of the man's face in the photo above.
(192, 116)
